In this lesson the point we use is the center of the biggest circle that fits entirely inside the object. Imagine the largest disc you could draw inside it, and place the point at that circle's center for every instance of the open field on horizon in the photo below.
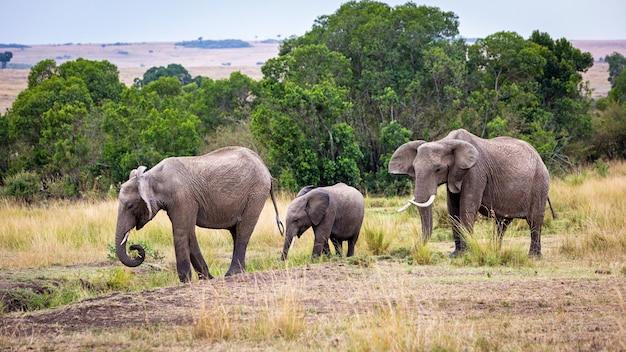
(134, 59)
(405, 298)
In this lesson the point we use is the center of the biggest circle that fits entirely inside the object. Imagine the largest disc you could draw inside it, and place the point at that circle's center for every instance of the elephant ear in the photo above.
(305, 190)
(317, 206)
(401, 161)
(146, 191)
(137, 172)
(465, 157)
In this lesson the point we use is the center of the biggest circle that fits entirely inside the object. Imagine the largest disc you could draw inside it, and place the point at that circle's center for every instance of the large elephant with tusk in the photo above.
(502, 177)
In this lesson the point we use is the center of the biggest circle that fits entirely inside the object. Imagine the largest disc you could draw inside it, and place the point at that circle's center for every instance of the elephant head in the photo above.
(432, 164)
(137, 206)
(307, 209)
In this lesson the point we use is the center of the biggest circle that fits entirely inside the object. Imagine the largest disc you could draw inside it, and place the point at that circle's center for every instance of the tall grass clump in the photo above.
(484, 248)
(592, 214)
(376, 239)
(422, 254)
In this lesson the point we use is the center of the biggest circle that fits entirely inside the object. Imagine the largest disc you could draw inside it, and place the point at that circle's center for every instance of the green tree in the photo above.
(101, 78)
(172, 70)
(225, 101)
(405, 65)
(5, 57)
(617, 63)
(618, 92)
(146, 126)
(301, 119)
(563, 94)
(505, 66)
(42, 71)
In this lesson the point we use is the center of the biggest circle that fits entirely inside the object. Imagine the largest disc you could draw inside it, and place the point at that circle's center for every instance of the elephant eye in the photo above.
(437, 169)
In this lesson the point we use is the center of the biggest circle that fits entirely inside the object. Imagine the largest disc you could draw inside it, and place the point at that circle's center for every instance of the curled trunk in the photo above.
(120, 250)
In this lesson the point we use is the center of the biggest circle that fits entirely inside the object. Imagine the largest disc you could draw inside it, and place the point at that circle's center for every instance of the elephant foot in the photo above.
(208, 276)
(457, 253)
(535, 254)
(232, 272)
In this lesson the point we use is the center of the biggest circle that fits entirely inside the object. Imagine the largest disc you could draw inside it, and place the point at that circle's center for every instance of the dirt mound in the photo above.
(572, 309)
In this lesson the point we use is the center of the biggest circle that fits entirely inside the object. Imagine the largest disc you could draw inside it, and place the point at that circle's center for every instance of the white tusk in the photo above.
(407, 206)
(293, 240)
(421, 205)
(125, 238)
(424, 205)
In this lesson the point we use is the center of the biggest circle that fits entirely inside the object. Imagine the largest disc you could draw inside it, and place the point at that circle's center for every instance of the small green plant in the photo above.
(119, 279)
(150, 252)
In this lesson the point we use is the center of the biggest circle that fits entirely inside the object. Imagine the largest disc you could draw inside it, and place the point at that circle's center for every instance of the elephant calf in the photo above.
(334, 212)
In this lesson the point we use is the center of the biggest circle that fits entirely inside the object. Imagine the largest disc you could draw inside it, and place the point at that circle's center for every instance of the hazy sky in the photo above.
(96, 21)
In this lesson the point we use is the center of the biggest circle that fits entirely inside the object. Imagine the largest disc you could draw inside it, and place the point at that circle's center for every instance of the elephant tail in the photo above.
(551, 209)
(279, 223)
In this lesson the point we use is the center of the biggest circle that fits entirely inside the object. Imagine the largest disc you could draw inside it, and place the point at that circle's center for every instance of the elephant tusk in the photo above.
(293, 240)
(417, 204)
(424, 205)
(407, 206)
(125, 238)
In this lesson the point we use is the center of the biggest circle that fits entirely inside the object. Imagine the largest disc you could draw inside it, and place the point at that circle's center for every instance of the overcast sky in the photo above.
(81, 21)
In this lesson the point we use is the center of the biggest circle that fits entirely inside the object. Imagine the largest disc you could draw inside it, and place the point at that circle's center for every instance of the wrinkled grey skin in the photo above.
(334, 212)
(225, 189)
(502, 177)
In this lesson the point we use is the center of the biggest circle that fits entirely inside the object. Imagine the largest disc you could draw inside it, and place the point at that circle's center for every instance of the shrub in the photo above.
(23, 186)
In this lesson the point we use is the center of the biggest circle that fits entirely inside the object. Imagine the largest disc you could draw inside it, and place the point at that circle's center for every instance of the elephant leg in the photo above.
(242, 231)
(181, 249)
(338, 244)
(326, 249)
(197, 260)
(501, 225)
(319, 243)
(455, 220)
(240, 244)
(535, 236)
(351, 243)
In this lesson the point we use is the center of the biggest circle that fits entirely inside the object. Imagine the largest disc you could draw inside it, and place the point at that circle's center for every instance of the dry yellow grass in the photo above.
(573, 299)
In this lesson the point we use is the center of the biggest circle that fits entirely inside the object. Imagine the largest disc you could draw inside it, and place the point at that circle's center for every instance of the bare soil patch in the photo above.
(585, 311)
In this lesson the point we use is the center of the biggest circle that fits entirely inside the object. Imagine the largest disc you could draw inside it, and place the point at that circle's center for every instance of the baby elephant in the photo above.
(335, 212)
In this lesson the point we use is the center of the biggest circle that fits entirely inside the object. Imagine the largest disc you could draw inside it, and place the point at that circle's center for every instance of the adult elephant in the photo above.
(335, 213)
(224, 189)
(501, 177)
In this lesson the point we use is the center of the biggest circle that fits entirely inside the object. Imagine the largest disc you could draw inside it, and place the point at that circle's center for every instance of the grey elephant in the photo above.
(335, 213)
(224, 189)
(502, 177)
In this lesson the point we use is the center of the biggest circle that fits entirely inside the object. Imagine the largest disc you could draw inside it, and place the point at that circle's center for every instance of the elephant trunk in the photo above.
(426, 215)
(120, 249)
(289, 241)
